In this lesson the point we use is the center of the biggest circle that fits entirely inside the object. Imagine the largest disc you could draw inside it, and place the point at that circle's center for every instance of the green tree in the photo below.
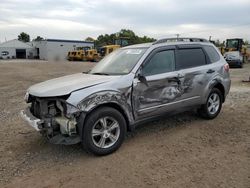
(38, 38)
(124, 34)
(24, 37)
(89, 39)
(105, 39)
(218, 43)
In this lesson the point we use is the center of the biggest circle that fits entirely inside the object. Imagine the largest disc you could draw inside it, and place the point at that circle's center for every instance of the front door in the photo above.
(162, 88)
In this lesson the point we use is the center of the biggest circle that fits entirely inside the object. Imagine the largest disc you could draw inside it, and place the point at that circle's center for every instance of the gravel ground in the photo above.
(180, 151)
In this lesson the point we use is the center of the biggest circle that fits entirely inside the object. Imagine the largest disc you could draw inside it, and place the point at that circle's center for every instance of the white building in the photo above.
(48, 49)
(15, 49)
(55, 49)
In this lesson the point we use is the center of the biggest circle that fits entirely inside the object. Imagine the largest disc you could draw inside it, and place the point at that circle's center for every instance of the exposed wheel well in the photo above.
(115, 106)
(221, 88)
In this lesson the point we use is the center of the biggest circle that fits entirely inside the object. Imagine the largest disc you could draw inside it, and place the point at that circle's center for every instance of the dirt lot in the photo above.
(181, 151)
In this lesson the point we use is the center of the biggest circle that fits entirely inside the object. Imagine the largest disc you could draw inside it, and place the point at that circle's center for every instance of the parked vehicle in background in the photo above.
(79, 54)
(234, 59)
(105, 50)
(92, 55)
(127, 87)
(236, 47)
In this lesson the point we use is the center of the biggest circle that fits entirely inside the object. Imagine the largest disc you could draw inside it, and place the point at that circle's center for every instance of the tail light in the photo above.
(226, 67)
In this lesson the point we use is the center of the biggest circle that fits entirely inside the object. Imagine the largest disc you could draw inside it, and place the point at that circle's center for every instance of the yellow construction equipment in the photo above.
(92, 55)
(79, 54)
(105, 50)
(236, 44)
(71, 55)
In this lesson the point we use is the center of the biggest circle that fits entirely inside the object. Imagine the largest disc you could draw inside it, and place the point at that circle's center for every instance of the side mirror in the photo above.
(143, 79)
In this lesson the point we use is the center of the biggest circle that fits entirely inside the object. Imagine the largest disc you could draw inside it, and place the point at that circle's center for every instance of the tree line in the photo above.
(124, 35)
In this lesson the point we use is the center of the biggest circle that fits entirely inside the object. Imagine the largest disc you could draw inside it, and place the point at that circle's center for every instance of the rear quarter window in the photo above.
(191, 57)
(212, 54)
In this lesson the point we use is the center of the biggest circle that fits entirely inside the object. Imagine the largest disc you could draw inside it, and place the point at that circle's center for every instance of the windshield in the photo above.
(119, 62)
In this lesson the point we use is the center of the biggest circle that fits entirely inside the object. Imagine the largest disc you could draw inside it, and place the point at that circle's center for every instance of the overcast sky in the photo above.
(78, 19)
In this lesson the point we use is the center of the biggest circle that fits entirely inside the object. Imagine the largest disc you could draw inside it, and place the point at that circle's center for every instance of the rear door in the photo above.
(193, 64)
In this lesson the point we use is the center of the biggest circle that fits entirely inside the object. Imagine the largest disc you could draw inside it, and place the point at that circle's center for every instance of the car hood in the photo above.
(67, 84)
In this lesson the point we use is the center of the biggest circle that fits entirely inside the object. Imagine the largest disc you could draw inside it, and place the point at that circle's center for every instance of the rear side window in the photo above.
(161, 62)
(212, 54)
(188, 58)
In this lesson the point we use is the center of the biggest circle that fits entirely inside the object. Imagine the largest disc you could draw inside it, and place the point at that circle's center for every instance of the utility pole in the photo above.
(177, 36)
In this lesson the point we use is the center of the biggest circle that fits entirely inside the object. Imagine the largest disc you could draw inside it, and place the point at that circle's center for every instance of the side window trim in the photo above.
(207, 55)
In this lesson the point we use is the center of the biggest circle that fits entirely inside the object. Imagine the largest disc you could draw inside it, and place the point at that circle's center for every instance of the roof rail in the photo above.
(180, 40)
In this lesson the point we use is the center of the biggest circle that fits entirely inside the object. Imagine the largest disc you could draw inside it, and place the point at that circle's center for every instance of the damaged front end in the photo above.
(54, 118)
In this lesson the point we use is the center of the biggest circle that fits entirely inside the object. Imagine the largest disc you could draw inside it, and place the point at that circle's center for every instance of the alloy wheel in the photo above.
(105, 132)
(213, 103)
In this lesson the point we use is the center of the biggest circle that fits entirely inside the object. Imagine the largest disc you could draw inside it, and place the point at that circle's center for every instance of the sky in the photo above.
(79, 19)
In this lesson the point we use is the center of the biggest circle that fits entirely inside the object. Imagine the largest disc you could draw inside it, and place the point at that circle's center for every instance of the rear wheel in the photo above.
(212, 108)
(104, 131)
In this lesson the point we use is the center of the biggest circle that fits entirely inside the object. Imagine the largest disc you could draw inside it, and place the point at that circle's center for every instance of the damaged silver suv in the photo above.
(131, 85)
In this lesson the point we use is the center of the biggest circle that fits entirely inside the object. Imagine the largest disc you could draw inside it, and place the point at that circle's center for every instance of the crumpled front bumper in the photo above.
(56, 139)
(30, 119)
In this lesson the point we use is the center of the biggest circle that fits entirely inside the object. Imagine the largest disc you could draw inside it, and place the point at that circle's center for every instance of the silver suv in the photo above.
(131, 85)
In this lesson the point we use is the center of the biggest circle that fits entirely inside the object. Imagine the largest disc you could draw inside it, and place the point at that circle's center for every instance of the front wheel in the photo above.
(212, 108)
(104, 131)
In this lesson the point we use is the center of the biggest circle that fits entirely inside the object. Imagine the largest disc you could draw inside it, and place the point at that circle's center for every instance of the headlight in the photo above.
(71, 109)
(26, 97)
(66, 108)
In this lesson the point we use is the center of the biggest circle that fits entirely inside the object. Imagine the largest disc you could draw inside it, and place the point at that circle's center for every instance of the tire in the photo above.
(241, 65)
(98, 137)
(211, 110)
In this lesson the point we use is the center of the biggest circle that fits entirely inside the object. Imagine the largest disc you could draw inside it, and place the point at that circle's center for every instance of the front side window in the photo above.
(188, 58)
(161, 62)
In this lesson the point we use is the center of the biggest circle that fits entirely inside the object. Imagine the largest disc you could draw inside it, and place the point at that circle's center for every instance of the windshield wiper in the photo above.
(100, 73)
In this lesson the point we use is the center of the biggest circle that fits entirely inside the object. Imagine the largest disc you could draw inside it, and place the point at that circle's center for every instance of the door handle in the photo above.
(210, 71)
(174, 79)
